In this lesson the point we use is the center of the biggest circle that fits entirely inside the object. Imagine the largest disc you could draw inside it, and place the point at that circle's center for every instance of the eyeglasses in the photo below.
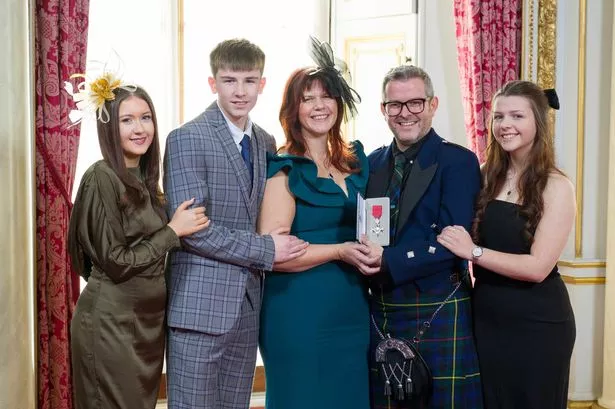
(415, 106)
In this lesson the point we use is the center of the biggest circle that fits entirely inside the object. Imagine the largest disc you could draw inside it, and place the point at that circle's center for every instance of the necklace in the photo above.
(510, 186)
(326, 169)
(509, 191)
(324, 165)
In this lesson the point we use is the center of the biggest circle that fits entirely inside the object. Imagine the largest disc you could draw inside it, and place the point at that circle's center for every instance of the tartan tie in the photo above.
(245, 154)
(394, 189)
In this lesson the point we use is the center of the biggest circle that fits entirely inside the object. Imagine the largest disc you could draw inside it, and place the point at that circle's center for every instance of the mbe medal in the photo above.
(377, 214)
(373, 219)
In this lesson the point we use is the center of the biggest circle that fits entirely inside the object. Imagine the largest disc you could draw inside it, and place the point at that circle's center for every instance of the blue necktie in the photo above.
(245, 154)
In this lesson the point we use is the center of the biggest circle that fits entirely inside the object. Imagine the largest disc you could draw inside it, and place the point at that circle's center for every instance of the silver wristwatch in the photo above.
(477, 252)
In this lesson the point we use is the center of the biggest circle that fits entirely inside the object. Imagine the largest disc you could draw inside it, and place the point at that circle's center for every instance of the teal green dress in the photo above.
(314, 336)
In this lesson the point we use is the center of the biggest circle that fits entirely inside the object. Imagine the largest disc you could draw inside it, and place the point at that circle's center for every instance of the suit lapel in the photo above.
(232, 152)
(419, 179)
(259, 154)
(417, 183)
(379, 179)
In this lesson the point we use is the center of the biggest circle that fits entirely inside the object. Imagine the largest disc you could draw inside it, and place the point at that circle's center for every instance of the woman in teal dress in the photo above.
(314, 336)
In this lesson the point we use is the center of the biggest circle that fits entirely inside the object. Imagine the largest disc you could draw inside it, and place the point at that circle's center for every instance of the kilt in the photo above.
(447, 346)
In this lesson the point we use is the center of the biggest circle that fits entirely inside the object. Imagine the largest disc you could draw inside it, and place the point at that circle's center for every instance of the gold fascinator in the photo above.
(90, 96)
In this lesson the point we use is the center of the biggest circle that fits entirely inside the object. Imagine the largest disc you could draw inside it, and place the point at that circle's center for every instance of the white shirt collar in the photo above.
(236, 132)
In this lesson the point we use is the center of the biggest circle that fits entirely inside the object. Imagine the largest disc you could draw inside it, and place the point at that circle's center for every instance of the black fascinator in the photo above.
(552, 98)
(332, 71)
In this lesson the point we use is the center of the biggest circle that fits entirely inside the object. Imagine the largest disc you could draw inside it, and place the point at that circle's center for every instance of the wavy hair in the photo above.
(540, 162)
(341, 154)
(149, 164)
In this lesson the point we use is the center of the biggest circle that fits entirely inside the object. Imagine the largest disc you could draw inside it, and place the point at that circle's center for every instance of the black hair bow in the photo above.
(552, 98)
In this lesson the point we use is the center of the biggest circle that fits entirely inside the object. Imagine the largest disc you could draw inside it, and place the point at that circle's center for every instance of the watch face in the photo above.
(477, 251)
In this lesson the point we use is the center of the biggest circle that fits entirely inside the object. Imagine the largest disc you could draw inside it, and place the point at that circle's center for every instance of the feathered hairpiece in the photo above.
(90, 96)
(333, 71)
(552, 98)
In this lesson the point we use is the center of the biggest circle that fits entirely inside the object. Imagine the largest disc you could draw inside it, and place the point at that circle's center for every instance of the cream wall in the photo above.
(437, 54)
(607, 397)
(590, 173)
(17, 354)
(582, 148)
(374, 38)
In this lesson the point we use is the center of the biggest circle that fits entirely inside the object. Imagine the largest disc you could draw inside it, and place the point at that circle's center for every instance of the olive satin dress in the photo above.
(117, 331)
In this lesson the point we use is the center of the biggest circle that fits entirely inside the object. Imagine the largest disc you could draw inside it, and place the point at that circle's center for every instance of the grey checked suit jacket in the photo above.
(207, 278)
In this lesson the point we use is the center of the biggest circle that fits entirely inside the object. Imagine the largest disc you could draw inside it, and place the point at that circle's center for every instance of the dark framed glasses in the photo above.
(414, 106)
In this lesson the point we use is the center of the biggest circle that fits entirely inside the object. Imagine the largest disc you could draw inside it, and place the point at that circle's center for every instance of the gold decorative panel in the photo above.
(547, 16)
(578, 231)
(539, 43)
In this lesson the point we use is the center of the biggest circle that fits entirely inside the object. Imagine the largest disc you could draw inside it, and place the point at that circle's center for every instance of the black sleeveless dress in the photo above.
(524, 331)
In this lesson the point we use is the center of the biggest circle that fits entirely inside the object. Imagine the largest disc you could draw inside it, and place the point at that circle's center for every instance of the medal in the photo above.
(377, 214)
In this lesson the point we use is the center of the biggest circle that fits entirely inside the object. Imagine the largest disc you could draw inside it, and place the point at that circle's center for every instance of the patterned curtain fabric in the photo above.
(60, 40)
(488, 55)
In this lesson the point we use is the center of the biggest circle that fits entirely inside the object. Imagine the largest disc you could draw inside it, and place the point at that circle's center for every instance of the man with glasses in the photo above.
(431, 183)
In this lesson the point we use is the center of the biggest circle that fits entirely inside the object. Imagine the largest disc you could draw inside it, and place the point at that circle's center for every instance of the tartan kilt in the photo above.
(447, 346)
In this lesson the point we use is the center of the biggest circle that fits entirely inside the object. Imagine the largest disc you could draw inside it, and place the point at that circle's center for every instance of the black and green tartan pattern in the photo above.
(394, 190)
(447, 347)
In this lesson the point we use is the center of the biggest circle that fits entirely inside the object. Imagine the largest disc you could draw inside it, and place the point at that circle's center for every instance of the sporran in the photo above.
(403, 371)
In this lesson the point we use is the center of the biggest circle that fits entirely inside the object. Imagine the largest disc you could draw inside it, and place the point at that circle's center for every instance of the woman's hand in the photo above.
(358, 255)
(375, 255)
(457, 240)
(187, 221)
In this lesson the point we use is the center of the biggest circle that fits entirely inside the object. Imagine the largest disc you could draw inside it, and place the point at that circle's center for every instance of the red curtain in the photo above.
(488, 55)
(60, 40)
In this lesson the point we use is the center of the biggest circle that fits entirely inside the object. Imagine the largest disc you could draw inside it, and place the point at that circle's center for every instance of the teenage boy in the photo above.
(215, 281)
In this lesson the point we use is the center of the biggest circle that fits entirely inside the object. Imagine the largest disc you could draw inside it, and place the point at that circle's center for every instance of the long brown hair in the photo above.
(149, 164)
(540, 162)
(340, 152)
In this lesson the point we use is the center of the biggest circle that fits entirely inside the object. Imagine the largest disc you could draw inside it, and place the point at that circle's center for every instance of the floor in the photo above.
(257, 401)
